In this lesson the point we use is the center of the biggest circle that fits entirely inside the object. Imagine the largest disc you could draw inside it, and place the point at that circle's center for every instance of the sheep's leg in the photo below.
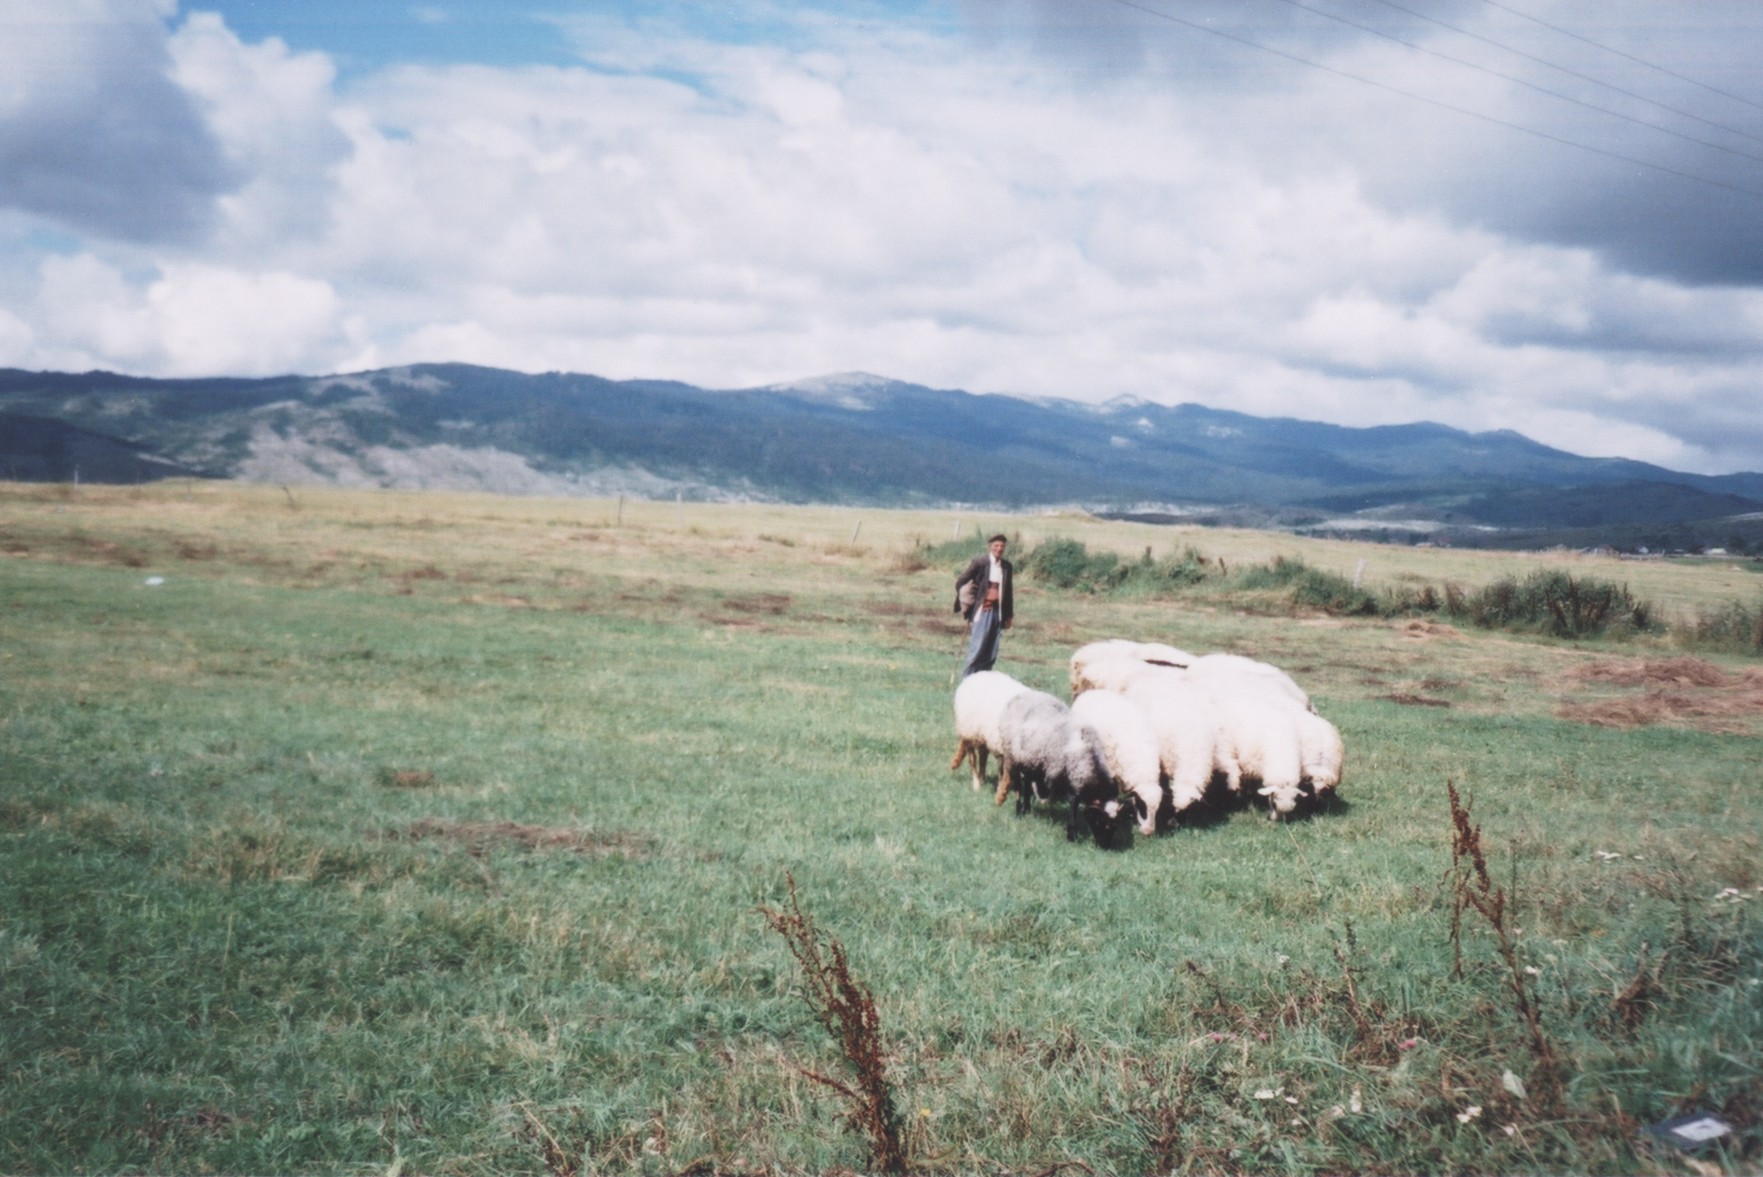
(979, 766)
(961, 752)
(1003, 780)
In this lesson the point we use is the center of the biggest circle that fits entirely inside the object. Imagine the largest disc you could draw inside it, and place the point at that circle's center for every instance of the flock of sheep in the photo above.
(1150, 733)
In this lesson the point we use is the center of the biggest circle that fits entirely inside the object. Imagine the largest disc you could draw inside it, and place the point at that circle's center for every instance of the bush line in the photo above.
(1549, 601)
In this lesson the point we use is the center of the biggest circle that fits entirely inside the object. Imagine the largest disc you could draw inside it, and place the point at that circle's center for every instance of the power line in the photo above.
(1517, 81)
(1442, 105)
(1629, 56)
(1688, 114)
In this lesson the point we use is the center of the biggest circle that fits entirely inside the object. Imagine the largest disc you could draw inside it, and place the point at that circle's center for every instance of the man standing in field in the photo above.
(984, 599)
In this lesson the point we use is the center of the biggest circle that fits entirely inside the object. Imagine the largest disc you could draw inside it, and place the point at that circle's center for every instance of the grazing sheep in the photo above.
(1260, 730)
(1050, 755)
(1217, 716)
(1155, 653)
(1116, 673)
(1129, 744)
(1323, 751)
(1213, 666)
(979, 701)
(1186, 724)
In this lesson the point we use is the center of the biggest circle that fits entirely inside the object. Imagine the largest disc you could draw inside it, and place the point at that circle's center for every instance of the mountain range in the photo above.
(856, 439)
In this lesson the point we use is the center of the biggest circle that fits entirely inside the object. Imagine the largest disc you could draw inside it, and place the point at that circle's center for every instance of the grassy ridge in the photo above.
(432, 832)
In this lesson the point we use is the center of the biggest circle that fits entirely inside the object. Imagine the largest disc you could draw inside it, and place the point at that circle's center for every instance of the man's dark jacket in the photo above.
(979, 574)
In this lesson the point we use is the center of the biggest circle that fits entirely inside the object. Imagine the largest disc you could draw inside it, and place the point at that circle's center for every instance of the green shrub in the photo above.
(1734, 628)
(1067, 564)
(1309, 588)
(1552, 602)
(1281, 573)
(1333, 593)
(953, 552)
(1149, 575)
(1409, 600)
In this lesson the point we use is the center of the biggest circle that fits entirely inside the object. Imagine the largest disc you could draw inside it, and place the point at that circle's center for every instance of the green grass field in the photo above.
(399, 833)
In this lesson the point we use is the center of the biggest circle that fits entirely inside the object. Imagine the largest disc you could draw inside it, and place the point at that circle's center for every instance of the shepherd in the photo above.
(984, 598)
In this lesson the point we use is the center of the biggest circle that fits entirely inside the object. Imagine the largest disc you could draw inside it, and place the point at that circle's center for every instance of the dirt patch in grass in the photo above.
(1409, 699)
(109, 552)
(886, 608)
(1418, 628)
(1681, 672)
(404, 778)
(506, 602)
(480, 837)
(772, 604)
(1681, 692)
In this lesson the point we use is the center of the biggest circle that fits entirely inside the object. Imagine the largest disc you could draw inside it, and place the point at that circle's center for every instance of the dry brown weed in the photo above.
(1683, 692)
(1419, 628)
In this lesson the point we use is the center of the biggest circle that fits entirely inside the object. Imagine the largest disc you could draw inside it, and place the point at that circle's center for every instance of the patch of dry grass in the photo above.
(1681, 692)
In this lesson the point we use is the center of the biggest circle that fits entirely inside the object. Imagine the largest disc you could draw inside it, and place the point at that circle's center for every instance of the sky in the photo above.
(1526, 214)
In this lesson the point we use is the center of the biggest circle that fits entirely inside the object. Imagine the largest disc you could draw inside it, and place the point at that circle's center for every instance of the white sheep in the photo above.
(1130, 745)
(1236, 666)
(1115, 674)
(1187, 726)
(1324, 753)
(1261, 730)
(1049, 754)
(1109, 649)
(979, 701)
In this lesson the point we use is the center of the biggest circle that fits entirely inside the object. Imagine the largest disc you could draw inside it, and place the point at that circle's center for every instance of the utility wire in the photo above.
(1629, 56)
(1517, 81)
(1474, 114)
(1688, 114)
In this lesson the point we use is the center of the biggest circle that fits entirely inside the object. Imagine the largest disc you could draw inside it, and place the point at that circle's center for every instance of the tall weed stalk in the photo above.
(1472, 889)
(846, 1008)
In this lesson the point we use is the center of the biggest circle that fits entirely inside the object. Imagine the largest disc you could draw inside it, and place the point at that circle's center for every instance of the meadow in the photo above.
(369, 832)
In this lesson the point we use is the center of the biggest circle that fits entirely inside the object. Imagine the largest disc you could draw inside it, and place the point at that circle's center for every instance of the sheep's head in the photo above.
(1151, 818)
(1142, 814)
(1105, 819)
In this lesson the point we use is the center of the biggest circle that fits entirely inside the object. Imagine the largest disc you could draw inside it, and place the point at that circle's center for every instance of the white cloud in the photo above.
(191, 320)
(869, 196)
(270, 111)
(93, 134)
(17, 340)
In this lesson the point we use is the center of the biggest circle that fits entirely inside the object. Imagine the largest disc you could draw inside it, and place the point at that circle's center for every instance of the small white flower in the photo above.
(1532, 971)
(1509, 1129)
(1265, 1093)
(1607, 855)
(1469, 1113)
(1354, 1104)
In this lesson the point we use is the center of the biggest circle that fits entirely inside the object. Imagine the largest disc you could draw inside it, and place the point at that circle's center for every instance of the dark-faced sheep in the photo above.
(1050, 755)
